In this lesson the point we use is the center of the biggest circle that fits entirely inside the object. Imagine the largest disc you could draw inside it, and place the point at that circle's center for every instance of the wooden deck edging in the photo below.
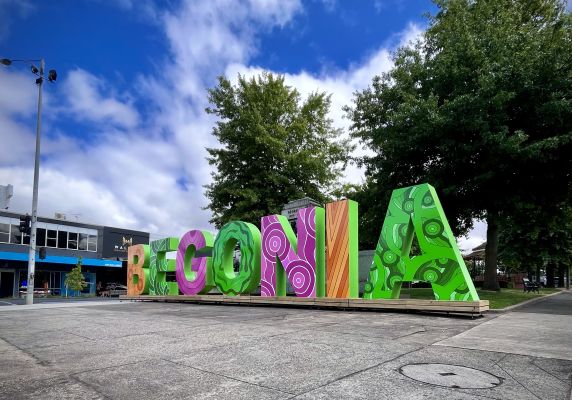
(473, 308)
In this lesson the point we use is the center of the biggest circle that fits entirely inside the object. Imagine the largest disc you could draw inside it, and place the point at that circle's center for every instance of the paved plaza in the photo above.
(113, 350)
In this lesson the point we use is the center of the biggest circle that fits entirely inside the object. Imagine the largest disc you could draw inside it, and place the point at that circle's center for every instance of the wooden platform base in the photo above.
(472, 308)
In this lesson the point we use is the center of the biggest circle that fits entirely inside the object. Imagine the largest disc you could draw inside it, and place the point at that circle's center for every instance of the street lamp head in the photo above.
(5, 61)
(52, 75)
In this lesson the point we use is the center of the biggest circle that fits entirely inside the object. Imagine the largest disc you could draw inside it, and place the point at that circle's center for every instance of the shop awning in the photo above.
(92, 262)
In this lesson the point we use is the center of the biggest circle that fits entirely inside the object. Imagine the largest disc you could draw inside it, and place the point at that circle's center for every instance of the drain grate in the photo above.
(452, 376)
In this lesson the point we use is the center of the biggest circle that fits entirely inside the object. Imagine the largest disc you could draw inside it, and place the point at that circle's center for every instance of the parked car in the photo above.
(115, 286)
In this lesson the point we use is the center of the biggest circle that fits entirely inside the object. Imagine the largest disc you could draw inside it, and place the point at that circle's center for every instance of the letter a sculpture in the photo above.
(416, 210)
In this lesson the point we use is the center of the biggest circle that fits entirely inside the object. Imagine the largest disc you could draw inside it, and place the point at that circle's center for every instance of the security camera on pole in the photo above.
(52, 76)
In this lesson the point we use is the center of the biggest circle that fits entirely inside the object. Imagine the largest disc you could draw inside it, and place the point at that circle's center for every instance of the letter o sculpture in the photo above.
(248, 277)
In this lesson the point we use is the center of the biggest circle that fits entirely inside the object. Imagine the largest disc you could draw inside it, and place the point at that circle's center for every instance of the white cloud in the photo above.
(22, 98)
(18, 106)
(138, 172)
(340, 84)
(85, 100)
(148, 171)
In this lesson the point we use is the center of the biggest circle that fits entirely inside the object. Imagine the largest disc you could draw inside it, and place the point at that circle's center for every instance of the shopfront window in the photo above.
(72, 240)
(49, 235)
(82, 241)
(15, 235)
(40, 237)
(52, 239)
(62, 240)
(92, 240)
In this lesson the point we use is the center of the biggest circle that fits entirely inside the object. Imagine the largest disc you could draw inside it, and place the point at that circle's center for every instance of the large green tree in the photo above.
(480, 107)
(274, 148)
(538, 238)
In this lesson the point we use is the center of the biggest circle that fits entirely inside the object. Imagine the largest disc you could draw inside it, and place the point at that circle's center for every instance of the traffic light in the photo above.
(26, 224)
(42, 253)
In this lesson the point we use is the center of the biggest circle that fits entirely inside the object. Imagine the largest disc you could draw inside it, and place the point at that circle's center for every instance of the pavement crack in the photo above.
(111, 366)
(39, 361)
(517, 381)
(226, 376)
(500, 360)
(358, 372)
(532, 361)
(410, 334)
(80, 336)
(89, 385)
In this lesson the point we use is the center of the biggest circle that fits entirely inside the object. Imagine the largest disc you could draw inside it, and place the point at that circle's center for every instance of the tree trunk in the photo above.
(550, 275)
(538, 273)
(491, 252)
(561, 275)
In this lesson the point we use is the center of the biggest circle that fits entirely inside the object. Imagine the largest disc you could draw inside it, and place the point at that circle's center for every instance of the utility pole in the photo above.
(52, 76)
(32, 251)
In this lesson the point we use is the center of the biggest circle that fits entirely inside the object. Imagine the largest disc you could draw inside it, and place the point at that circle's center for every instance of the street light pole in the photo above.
(32, 251)
(52, 76)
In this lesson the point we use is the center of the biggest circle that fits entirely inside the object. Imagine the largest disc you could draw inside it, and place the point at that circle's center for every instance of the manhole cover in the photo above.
(453, 376)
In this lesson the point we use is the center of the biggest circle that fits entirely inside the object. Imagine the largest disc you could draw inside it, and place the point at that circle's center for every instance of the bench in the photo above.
(530, 287)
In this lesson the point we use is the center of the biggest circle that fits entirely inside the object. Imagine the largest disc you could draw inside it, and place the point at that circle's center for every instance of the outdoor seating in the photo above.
(530, 287)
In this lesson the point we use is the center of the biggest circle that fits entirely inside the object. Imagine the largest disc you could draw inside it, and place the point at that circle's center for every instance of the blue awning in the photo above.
(92, 262)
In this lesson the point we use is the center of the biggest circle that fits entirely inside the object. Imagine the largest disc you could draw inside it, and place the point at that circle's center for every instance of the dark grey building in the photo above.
(103, 251)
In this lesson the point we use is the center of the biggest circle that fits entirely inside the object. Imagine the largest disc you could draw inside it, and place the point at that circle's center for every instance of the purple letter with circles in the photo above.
(283, 254)
(194, 274)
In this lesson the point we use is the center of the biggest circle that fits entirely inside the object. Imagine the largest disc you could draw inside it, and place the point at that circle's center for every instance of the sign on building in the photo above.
(116, 241)
(290, 209)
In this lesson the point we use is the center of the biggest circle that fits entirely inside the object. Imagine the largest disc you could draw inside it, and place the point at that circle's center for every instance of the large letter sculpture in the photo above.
(302, 260)
(160, 265)
(248, 277)
(194, 267)
(137, 270)
(417, 210)
(342, 280)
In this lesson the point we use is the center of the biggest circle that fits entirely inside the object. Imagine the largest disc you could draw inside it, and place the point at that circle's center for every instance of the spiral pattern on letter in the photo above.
(300, 268)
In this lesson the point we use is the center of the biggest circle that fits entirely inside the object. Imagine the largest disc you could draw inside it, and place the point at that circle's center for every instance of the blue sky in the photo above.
(125, 131)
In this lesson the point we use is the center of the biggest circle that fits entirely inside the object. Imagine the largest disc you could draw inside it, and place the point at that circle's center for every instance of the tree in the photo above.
(274, 148)
(533, 238)
(481, 108)
(75, 279)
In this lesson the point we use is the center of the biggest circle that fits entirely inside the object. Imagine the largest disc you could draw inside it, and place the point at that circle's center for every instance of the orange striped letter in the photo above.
(342, 276)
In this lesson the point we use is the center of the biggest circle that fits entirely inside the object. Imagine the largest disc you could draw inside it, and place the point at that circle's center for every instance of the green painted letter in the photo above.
(248, 276)
(416, 210)
(160, 265)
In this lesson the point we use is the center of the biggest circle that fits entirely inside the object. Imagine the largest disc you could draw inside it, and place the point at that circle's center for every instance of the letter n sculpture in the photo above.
(300, 259)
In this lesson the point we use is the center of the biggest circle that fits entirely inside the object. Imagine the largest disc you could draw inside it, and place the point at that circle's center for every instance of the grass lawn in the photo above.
(502, 299)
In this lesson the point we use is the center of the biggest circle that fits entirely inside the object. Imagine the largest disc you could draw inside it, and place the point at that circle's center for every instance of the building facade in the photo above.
(102, 249)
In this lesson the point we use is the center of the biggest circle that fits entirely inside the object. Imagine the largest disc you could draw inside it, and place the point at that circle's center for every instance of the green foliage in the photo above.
(481, 108)
(274, 148)
(536, 236)
(75, 279)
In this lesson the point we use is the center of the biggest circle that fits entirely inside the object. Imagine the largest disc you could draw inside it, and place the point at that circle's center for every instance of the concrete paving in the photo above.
(182, 351)
(540, 329)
